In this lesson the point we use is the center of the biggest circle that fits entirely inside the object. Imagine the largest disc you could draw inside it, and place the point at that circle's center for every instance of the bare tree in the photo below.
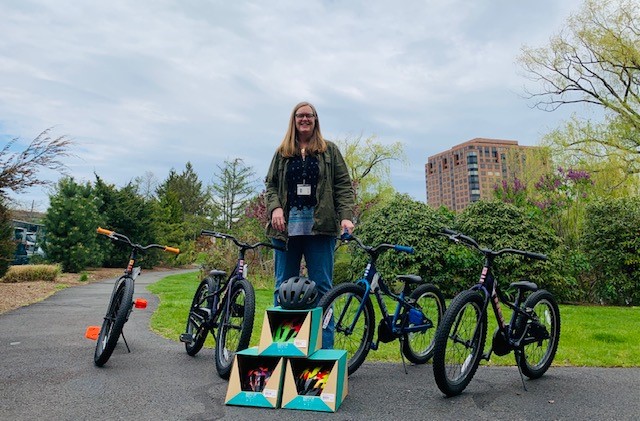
(18, 171)
(594, 61)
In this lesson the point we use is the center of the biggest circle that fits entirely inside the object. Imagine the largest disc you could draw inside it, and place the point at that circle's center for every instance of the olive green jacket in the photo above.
(335, 195)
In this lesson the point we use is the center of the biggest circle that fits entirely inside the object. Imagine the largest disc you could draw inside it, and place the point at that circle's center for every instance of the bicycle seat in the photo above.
(217, 272)
(411, 279)
(525, 285)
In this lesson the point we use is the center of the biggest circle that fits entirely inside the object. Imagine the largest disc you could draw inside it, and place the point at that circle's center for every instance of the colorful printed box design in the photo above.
(305, 389)
(255, 380)
(290, 333)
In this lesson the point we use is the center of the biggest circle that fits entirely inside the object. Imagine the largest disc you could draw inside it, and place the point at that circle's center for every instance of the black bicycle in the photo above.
(532, 333)
(349, 305)
(121, 302)
(226, 303)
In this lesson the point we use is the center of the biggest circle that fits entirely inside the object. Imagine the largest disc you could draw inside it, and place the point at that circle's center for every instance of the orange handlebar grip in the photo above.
(172, 250)
(104, 231)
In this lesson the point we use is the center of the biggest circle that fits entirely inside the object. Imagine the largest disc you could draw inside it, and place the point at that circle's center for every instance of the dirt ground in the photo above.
(16, 295)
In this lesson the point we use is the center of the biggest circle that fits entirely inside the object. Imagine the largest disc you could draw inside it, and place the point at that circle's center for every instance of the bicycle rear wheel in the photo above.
(199, 315)
(352, 334)
(117, 315)
(236, 325)
(541, 336)
(459, 343)
(418, 346)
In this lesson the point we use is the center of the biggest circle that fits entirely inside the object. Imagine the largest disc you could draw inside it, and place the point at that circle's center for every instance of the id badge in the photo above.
(304, 190)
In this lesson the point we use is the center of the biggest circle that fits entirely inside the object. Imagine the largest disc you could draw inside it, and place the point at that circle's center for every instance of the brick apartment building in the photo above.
(467, 172)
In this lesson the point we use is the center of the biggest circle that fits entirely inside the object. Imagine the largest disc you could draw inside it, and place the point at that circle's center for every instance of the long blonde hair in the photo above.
(289, 146)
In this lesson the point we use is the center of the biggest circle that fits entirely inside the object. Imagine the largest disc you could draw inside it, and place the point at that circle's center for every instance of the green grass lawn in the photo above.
(593, 336)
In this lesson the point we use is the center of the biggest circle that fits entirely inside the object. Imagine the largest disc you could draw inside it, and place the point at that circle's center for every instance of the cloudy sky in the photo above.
(150, 85)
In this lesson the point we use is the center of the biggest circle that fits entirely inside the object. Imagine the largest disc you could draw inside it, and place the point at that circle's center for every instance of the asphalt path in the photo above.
(47, 372)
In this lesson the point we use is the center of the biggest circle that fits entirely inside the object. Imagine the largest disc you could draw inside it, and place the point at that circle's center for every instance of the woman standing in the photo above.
(310, 199)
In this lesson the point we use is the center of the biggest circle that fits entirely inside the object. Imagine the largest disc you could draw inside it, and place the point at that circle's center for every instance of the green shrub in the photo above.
(32, 273)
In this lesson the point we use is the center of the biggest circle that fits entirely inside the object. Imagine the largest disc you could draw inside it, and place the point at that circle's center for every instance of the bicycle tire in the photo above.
(117, 315)
(341, 302)
(236, 325)
(535, 356)
(417, 347)
(199, 315)
(459, 343)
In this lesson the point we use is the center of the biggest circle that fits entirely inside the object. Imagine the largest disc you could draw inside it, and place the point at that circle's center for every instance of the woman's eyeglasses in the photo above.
(301, 116)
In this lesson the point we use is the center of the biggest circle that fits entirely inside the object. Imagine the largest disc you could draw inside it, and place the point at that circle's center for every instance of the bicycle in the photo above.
(121, 302)
(350, 306)
(532, 333)
(226, 303)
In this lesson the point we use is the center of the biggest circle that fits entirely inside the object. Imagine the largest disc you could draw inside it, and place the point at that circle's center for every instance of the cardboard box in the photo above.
(329, 398)
(239, 391)
(305, 341)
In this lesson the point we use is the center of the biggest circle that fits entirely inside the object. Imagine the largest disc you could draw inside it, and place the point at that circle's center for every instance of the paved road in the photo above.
(47, 372)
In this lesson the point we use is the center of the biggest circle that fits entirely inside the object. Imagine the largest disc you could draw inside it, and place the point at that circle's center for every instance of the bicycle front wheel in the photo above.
(117, 314)
(199, 316)
(459, 343)
(353, 332)
(236, 325)
(418, 346)
(542, 333)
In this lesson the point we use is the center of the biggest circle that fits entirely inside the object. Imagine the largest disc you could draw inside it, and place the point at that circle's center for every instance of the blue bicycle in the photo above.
(413, 322)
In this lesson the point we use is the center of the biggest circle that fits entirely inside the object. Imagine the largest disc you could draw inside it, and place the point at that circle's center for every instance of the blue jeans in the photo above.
(318, 251)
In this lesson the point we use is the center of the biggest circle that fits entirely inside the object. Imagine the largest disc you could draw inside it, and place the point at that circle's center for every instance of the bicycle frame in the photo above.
(237, 274)
(492, 294)
(373, 283)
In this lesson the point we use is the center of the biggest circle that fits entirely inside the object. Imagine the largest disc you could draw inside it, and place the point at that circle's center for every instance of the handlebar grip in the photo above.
(406, 249)
(172, 250)
(104, 231)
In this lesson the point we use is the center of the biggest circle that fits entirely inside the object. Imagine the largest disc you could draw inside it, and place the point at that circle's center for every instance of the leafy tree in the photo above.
(7, 244)
(595, 61)
(498, 225)
(71, 223)
(612, 244)
(612, 171)
(368, 161)
(402, 220)
(232, 190)
(187, 189)
(124, 211)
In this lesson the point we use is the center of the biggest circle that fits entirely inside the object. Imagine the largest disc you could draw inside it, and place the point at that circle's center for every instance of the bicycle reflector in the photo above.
(92, 332)
(140, 303)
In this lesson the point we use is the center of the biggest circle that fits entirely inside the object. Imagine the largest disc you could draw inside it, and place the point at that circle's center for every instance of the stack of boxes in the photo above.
(294, 362)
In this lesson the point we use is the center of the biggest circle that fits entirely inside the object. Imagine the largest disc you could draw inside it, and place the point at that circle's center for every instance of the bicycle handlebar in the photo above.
(346, 237)
(459, 237)
(238, 243)
(123, 238)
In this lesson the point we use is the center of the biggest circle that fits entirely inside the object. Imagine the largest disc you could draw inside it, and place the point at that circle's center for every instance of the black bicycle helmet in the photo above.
(297, 293)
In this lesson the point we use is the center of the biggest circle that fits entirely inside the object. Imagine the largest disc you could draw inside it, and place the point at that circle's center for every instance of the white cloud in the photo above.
(150, 85)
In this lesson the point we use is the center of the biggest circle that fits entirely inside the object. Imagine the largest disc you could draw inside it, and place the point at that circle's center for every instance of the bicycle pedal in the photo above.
(140, 303)
(186, 338)
(92, 332)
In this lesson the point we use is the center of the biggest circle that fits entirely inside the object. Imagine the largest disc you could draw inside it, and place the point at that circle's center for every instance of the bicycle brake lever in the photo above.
(346, 236)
